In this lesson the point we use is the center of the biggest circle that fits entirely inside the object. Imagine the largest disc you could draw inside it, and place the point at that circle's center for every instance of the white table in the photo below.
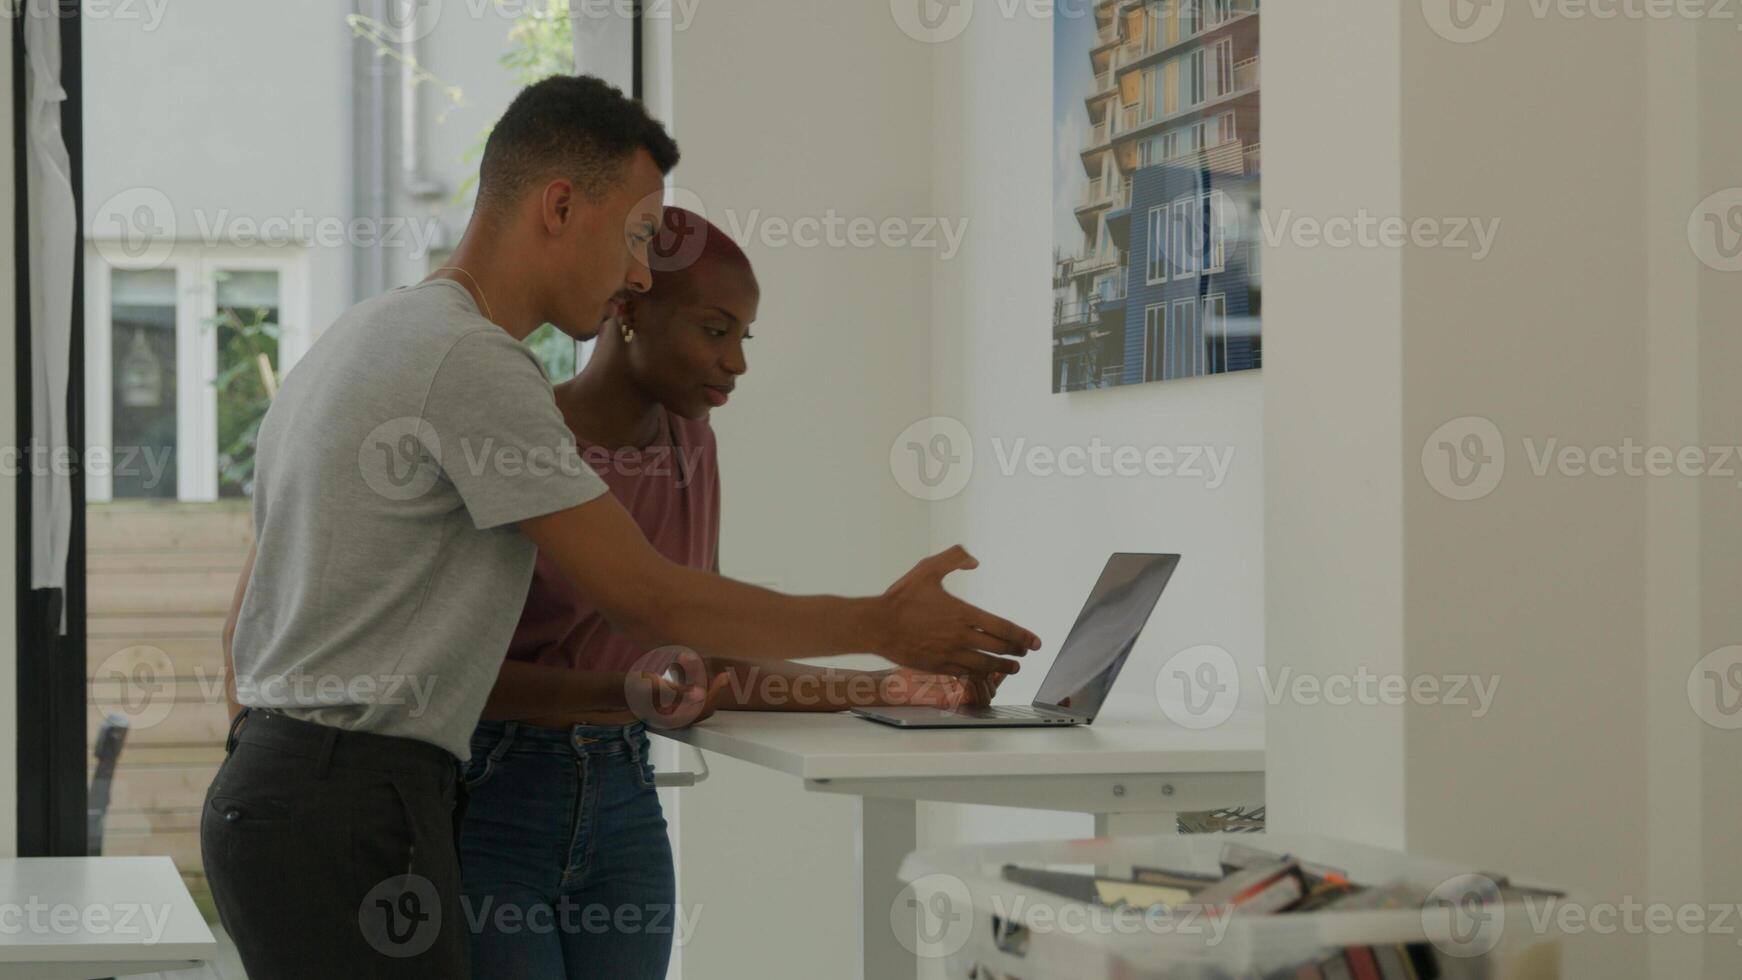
(76, 918)
(1133, 769)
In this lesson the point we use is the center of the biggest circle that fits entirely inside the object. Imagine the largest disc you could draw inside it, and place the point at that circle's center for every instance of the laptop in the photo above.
(1086, 666)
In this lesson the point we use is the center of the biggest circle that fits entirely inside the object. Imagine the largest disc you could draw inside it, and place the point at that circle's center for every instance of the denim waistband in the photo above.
(497, 738)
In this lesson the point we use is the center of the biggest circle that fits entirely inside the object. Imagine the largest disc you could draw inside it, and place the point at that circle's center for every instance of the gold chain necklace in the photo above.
(482, 299)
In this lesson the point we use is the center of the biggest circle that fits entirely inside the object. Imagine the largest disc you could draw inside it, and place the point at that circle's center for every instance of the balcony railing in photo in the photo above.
(1214, 16)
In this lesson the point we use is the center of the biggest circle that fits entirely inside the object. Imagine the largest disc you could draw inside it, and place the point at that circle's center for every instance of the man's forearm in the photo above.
(915, 622)
(726, 618)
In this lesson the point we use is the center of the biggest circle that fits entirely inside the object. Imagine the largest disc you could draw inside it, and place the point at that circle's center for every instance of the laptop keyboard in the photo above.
(997, 711)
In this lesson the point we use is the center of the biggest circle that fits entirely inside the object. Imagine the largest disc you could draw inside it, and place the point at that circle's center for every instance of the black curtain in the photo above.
(52, 698)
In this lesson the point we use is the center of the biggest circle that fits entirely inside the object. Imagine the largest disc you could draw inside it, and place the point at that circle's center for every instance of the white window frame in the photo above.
(196, 351)
(1190, 12)
(1186, 332)
(1154, 370)
(1213, 324)
(1223, 63)
(1184, 246)
(1215, 259)
(1157, 245)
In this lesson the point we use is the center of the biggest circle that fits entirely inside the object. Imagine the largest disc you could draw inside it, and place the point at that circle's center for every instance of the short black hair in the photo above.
(574, 126)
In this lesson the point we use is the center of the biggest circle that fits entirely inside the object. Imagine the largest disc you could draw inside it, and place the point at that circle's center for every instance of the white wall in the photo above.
(1043, 538)
(8, 490)
(786, 110)
(1332, 338)
(830, 106)
(234, 112)
(243, 112)
(1589, 598)
(1712, 78)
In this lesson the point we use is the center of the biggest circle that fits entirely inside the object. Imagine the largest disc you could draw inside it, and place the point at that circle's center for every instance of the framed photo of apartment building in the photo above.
(1156, 191)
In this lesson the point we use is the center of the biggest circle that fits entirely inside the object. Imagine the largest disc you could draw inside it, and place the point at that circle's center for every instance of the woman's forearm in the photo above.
(784, 686)
(528, 690)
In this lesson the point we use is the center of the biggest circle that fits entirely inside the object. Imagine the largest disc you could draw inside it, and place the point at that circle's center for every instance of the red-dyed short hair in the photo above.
(687, 241)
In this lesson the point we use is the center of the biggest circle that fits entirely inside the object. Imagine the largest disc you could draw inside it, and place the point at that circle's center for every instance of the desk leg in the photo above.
(888, 832)
(1131, 825)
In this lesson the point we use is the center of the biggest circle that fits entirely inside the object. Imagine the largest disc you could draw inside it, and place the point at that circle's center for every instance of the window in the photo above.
(1185, 341)
(1170, 83)
(1226, 131)
(1194, 78)
(1183, 240)
(1160, 148)
(1214, 328)
(1221, 68)
(1154, 341)
(1106, 287)
(1191, 17)
(1218, 217)
(1198, 233)
(181, 361)
(1158, 244)
(246, 321)
(142, 386)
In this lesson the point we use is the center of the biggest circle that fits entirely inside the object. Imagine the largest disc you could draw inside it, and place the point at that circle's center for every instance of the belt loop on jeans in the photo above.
(634, 746)
(505, 743)
(324, 762)
(235, 726)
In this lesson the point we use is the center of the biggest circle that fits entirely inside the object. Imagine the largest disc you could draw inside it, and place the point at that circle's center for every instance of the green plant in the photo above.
(555, 350)
(246, 383)
(540, 44)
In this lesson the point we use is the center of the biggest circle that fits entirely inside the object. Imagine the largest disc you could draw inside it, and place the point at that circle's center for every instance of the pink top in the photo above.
(672, 490)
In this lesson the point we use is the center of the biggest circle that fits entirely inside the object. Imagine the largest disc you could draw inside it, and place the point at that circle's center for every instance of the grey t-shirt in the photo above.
(389, 475)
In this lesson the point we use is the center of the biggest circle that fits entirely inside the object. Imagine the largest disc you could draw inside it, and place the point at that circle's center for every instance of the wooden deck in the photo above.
(160, 580)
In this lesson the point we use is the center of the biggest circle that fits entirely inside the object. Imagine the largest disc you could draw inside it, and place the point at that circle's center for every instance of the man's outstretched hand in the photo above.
(924, 627)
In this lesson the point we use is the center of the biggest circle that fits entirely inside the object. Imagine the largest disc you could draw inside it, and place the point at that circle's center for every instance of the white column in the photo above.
(1585, 145)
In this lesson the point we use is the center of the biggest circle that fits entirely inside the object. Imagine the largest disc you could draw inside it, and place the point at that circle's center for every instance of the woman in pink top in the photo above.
(568, 871)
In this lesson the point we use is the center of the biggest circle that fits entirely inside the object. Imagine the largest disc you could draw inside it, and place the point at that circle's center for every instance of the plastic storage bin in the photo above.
(982, 926)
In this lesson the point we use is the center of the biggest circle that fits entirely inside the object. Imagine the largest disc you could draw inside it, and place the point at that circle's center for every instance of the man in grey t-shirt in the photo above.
(409, 470)
(394, 465)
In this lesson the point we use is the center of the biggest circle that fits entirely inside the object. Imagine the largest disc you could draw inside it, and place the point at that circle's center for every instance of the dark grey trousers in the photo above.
(331, 853)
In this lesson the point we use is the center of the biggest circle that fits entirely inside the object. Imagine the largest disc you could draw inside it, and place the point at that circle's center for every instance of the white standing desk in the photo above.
(78, 918)
(1133, 769)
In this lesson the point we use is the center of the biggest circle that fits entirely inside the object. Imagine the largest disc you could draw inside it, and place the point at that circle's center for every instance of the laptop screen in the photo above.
(1105, 631)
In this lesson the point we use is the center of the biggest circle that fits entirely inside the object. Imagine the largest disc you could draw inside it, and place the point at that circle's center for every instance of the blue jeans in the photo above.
(564, 856)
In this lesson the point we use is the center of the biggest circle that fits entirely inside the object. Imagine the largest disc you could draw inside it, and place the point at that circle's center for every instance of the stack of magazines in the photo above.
(1255, 882)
